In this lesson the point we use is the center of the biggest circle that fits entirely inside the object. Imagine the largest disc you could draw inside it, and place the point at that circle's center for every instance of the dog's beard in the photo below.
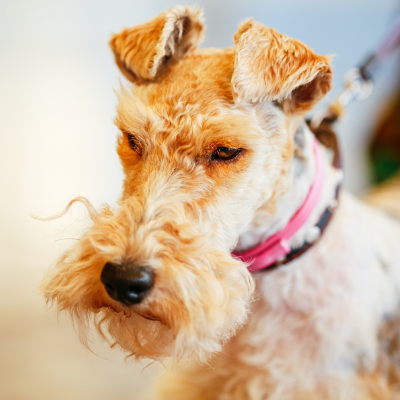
(191, 319)
(200, 298)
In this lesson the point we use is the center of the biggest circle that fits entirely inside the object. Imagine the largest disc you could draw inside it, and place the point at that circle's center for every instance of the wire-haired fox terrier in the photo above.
(222, 253)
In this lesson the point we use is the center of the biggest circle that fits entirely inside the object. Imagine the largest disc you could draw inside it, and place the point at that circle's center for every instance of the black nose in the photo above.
(127, 284)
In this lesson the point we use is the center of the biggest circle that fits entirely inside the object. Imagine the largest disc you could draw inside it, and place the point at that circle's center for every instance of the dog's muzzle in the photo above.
(127, 284)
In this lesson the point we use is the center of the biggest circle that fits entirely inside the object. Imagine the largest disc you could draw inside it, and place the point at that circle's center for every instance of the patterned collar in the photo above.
(276, 251)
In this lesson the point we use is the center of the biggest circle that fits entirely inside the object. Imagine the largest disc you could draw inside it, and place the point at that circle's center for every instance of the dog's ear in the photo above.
(270, 66)
(142, 51)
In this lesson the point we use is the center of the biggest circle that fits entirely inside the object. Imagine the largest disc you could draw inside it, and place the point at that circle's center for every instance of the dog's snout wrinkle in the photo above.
(127, 284)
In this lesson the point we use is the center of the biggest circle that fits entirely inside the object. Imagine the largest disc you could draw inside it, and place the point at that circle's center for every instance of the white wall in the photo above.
(58, 141)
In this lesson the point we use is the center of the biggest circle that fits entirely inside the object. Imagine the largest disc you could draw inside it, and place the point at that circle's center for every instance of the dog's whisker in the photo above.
(93, 214)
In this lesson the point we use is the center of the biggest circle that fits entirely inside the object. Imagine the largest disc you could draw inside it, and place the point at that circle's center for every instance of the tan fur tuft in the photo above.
(142, 51)
(270, 66)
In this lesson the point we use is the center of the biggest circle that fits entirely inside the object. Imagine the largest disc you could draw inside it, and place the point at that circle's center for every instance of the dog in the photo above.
(231, 252)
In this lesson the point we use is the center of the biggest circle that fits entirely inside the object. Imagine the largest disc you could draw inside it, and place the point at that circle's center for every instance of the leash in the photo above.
(358, 82)
(358, 85)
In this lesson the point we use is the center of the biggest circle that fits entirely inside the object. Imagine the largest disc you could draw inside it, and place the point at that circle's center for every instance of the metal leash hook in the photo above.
(355, 87)
(358, 81)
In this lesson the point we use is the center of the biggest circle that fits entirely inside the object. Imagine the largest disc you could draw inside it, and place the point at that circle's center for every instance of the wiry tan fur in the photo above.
(270, 66)
(141, 52)
(307, 331)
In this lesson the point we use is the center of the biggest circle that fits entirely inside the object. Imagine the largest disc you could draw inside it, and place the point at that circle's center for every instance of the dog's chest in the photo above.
(319, 316)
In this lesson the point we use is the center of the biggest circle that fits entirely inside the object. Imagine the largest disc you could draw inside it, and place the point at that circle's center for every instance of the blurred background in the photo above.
(57, 105)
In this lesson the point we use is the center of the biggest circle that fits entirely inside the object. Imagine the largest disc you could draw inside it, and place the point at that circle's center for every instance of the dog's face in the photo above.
(206, 140)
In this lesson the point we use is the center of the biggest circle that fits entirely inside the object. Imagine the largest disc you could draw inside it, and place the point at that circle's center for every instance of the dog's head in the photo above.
(206, 140)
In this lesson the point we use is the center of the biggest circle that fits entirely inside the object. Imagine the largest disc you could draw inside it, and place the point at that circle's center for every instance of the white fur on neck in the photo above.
(315, 321)
(302, 173)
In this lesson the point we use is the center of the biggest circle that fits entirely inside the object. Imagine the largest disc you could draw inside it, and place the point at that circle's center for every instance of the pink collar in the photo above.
(277, 247)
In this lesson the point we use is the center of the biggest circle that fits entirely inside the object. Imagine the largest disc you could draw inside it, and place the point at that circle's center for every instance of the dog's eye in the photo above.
(133, 143)
(225, 153)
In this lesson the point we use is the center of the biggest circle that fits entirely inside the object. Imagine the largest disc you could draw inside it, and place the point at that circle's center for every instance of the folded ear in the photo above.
(142, 51)
(270, 66)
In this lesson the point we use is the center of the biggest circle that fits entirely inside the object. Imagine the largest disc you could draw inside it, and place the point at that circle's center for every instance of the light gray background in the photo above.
(58, 141)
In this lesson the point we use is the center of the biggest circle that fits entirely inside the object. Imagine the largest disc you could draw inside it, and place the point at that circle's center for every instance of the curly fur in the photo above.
(305, 331)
